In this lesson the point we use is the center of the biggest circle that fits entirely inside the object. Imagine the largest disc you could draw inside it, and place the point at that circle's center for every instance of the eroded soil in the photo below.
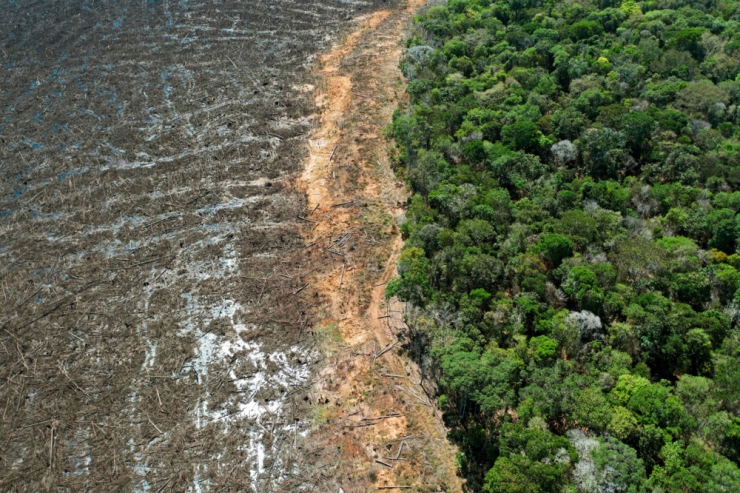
(374, 425)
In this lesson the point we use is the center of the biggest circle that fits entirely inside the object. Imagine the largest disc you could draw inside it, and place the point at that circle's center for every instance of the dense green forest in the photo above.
(571, 245)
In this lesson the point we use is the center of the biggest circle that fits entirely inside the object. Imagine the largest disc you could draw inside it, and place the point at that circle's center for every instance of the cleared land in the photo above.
(156, 294)
(374, 423)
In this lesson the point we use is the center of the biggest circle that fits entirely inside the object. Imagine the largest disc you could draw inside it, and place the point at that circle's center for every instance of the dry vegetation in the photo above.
(156, 295)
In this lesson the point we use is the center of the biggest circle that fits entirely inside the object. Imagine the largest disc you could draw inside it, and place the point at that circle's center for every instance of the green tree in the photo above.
(455, 48)
(589, 102)
(623, 424)
(656, 405)
(688, 40)
(698, 97)
(692, 288)
(585, 29)
(488, 380)
(582, 285)
(637, 128)
(530, 461)
(413, 283)
(603, 152)
(569, 123)
(721, 226)
(698, 352)
(555, 248)
(543, 348)
(522, 136)
(592, 409)
(627, 386)
(618, 468)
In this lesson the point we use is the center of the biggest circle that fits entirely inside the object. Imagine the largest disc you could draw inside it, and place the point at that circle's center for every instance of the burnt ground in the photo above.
(154, 314)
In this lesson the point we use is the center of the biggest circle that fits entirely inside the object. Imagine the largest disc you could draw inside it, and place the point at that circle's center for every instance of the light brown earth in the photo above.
(374, 425)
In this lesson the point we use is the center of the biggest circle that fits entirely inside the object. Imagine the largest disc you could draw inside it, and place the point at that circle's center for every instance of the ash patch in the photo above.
(153, 322)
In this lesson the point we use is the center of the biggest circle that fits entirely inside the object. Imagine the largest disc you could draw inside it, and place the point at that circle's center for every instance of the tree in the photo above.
(517, 169)
(455, 48)
(724, 477)
(592, 409)
(488, 380)
(555, 248)
(623, 336)
(696, 395)
(688, 40)
(664, 91)
(478, 230)
(522, 135)
(569, 123)
(699, 96)
(564, 152)
(721, 226)
(585, 29)
(618, 469)
(413, 283)
(543, 348)
(698, 352)
(627, 386)
(675, 121)
(637, 128)
(587, 326)
(578, 226)
(637, 260)
(623, 425)
(603, 152)
(530, 461)
(692, 288)
(727, 378)
(656, 405)
(463, 64)
(582, 286)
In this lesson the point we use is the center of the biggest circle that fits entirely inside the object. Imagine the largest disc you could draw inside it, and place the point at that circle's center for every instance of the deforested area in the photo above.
(571, 255)
(155, 298)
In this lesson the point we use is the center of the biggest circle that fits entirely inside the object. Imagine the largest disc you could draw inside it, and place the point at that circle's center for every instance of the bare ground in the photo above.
(156, 297)
(374, 425)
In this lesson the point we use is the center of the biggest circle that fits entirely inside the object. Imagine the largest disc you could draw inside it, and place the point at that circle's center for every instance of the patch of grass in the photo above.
(329, 334)
(321, 414)
(377, 220)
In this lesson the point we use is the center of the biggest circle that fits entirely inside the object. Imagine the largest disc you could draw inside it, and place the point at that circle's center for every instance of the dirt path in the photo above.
(373, 424)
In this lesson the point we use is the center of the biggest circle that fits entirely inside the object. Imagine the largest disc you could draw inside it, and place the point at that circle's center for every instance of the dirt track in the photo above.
(374, 425)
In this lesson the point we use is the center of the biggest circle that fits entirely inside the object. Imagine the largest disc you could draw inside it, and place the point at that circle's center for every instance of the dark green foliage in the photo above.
(555, 248)
(522, 136)
(530, 461)
(585, 29)
(664, 92)
(637, 128)
(572, 244)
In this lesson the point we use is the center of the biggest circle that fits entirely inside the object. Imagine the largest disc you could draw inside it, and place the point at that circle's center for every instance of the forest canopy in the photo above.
(571, 257)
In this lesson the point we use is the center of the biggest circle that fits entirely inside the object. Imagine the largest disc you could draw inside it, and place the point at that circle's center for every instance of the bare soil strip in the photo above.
(374, 426)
